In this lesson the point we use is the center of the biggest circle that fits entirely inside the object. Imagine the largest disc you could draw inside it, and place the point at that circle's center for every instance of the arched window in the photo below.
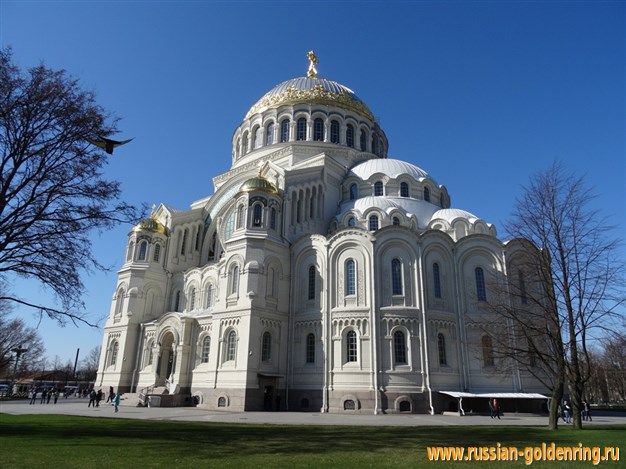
(284, 131)
(177, 301)
(404, 189)
(426, 194)
(373, 222)
(234, 281)
(481, 292)
(129, 253)
(257, 215)
(350, 135)
(231, 346)
(363, 141)
(266, 347)
(354, 191)
(240, 216)
(206, 349)
(114, 351)
(399, 348)
(273, 218)
(197, 243)
(375, 144)
(157, 252)
(209, 295)
(312, 275)
(351, 221)
(441, 347)
(522, 288)
(378, 188)
(269, 134)
(396, 221)
(119, 304)
(301, 129)
(350, 277)
(310, 348)
(436, 280)
(192, 300)
(183, 244)
(318, 130)
(256, 138)
(150, 355)
(334, 132)
(244, 143)
(396, 277)
(487, 351)
(351, 347)
(441, 200)
(230, 226)
(143, 250)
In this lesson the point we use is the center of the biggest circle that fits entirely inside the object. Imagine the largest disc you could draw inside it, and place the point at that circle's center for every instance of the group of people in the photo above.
(46, 395)
(566, 411)
(96, 396)
(494, 408)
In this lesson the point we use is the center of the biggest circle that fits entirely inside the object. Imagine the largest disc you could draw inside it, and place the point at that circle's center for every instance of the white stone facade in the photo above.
(319, 276)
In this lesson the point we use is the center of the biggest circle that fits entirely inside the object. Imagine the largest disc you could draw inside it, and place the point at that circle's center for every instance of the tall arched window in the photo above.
(256, 138)
(129, 253)
(351, 347)
(426, 194)
(481, 292)
(266, 347)
(396, 221)
(143, 250)
(354, 191)
(197, 242)
(192, 299)
(522, 288)
(404, 189)
(119, 304)
(373, 222)
(284, 131)
(257, 215)
(487, 351)
(114, 352)
(231, 346)
(157, 252)
(350, 277)
(312, 275)
(310, 348)
(363, 141)
(234, 281)
(375, 144)
(177, 301)
(273, 218)
(436, 280)
(183, 244)
(230, 226)
(206, 349)
(441, 347)
(301, 129)
(240, 216)
(209, 295)
(269, 134)
(318, 130)
(334, 132)
(350, 135)
(378, 188)
(396, 277)
(399, 348)
(244, 143)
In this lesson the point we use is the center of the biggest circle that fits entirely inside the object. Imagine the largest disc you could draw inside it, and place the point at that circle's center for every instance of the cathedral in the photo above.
(321, 276)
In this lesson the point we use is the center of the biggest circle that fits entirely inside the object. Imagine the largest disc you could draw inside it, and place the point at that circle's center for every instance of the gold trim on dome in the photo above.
(315, 95)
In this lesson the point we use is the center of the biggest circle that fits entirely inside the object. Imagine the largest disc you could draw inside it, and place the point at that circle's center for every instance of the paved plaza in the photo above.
(78, 407)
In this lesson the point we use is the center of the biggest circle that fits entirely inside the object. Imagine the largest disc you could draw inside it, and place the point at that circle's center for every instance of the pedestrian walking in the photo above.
(586, 410)
(567, 412)
(492, 411)
(111, 395)
(92, 398)
(116, 401)
(496, 408)
(98, 397)
(33, 396)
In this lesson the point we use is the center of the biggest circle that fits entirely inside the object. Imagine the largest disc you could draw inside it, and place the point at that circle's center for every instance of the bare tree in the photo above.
(89, 365)
(571, 286)
(52, 191)
(15, 335)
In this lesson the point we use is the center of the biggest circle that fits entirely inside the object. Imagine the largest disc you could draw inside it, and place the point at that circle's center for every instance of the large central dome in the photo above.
(311, 90)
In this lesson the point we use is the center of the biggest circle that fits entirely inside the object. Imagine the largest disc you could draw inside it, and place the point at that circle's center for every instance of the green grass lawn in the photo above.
(52, 441)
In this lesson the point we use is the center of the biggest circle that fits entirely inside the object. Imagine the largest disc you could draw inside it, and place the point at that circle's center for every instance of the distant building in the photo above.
(321, 275)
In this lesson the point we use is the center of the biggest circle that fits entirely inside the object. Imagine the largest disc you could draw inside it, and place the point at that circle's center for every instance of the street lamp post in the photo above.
(18, 351)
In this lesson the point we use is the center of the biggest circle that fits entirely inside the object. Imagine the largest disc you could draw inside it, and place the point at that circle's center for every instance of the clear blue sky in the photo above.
(481, 94)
